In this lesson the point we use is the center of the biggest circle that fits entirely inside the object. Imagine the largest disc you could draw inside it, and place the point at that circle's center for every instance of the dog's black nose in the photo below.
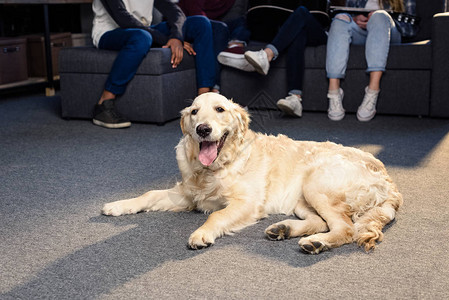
(203, 130)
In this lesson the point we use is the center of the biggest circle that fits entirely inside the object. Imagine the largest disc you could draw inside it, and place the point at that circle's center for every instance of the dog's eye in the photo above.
(219, 109)
(194, 111)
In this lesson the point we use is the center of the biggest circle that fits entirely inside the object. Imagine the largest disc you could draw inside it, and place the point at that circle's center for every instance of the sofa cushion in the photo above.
(156, 94)
(95, 61)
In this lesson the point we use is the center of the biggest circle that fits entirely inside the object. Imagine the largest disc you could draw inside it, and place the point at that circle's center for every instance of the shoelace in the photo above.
(293, 99)
(369, 101)
(335, 104)
(113, 113)
(260, 56)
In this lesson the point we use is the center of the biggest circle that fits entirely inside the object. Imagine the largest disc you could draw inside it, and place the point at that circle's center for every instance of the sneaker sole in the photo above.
(288, 110)
(365, 119)
(255, 64)
(336, 118)
(244, 67)
(230, 55)
(109, 125)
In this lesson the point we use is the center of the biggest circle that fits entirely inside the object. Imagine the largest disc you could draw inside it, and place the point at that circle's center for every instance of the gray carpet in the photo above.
(56, 175)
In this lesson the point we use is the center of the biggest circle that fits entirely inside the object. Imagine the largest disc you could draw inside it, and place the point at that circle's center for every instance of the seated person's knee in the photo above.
(380, 14)
(199, 20)
(141, 39)
(343, 17)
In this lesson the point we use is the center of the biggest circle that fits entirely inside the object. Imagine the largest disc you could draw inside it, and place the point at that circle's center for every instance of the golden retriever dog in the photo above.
(340, 194)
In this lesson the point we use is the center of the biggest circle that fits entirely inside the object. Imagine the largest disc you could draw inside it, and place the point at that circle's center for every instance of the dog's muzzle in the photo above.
(203, 130)
(209, 150)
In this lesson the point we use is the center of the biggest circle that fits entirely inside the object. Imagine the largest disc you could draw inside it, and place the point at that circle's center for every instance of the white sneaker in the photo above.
(291, 105)
(259, 60)
(336, 112)
(367, 110)
(234, 57)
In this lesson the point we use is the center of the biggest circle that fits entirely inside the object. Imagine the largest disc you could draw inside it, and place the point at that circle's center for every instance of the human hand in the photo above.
(189, 48)
(361, 20)
(176, 48)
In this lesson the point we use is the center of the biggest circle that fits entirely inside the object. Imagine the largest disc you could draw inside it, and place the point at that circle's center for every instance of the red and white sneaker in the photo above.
(234, 57)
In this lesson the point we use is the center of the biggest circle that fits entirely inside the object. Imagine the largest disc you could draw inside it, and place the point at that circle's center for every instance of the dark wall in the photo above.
(18, 20)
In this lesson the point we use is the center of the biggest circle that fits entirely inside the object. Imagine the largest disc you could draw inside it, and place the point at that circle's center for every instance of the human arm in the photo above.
(361, 20)
(360, 14)
(174, 17)
(177, 50)
(176, 47)
(117, 10)
(189, 48)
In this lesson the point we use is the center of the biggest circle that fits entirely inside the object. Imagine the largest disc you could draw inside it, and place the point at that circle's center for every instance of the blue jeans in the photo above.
(220, 33)
(381, 31)
(238, 31)
(133, 45)
(300, 30)
(197, 30)
(225, 31)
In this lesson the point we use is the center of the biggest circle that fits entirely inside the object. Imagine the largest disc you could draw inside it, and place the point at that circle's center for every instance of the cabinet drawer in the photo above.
(13, 60)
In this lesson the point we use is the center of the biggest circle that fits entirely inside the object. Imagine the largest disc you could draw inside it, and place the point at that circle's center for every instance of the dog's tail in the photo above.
(369, 225)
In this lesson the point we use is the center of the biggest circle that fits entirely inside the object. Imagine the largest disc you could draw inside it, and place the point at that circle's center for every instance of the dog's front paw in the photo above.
(200, 239)
(118, 208)
(310, 246)
(277, 232)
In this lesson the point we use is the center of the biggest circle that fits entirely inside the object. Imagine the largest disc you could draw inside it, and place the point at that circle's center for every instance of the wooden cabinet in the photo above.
(13, 60)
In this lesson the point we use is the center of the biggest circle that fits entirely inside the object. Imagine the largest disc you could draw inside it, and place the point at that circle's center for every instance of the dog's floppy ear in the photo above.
(183, 121)
(242, 117)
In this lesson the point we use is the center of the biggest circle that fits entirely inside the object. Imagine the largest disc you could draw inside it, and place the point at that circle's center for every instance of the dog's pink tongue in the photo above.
(208, 153)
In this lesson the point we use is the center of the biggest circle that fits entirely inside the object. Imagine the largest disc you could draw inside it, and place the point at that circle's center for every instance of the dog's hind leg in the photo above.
(332, 208)
(164, 200)
(310, 223)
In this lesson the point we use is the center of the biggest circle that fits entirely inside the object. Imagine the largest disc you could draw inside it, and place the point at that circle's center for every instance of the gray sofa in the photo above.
(156, 94)
(415, 82)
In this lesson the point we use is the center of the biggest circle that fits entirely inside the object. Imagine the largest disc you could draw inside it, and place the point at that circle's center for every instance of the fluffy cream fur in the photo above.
(340, 194)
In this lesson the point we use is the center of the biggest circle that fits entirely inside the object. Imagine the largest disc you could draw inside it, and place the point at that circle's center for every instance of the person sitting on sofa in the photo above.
(301, 29)
(125, 26)
(228, 25)
(376, 30)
